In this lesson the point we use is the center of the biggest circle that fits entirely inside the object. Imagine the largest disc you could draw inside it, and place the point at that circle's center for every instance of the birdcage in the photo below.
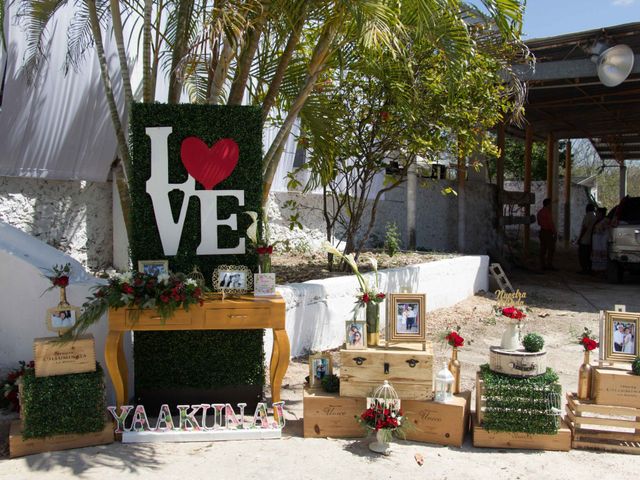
(386, 416)
(197, 276)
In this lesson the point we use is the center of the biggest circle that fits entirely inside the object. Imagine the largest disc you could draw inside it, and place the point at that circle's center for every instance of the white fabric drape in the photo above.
(59, 127)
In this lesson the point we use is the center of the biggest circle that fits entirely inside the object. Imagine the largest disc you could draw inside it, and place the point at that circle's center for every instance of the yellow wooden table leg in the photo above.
(282, 348)
(111, 355)
(122, 368)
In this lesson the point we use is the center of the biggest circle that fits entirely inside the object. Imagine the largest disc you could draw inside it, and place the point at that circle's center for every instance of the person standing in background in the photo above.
(584, 239)
(548, 235)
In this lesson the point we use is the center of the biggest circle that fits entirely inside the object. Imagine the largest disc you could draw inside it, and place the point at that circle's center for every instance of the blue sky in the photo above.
(544, 18)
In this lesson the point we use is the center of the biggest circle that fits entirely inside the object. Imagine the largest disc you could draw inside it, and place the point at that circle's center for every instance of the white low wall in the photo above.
(318, 309)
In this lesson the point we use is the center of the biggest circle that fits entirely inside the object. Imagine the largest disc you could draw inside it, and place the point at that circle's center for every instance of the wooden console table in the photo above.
(237, 313)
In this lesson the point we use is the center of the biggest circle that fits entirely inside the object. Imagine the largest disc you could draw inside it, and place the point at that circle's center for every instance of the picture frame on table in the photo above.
(620, 336)
(320, 366)
(264, 284)
(153, 267)
(356, 335)
(406, 317)
(232, 279)
(62, 318)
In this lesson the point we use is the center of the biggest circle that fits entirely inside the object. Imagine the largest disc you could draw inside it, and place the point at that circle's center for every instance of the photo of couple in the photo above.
(63, 319)
(407, 318)
(624, 337)
(355, 335)
(233, 280)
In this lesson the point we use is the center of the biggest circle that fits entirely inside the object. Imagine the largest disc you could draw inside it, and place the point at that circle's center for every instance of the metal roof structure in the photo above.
(566, 98)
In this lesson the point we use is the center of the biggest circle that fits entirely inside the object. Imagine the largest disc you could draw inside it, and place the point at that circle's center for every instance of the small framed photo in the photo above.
(264, 284)
(319, 367)
(62, 318)
(621, 336)
(153, 267)
(406, 317)
(232, 279)
(356, 335)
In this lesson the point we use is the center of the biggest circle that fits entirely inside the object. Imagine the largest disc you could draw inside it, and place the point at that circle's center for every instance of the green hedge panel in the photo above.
(196, 359)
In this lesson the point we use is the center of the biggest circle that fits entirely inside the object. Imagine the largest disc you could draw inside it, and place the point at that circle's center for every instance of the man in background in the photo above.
(548, 235)
(584, 239)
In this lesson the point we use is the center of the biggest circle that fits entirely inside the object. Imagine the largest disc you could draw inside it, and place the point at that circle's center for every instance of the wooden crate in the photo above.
(560, 441)
(19, 446)
(603, 427)
(616, 387)
(53, 357)
(440, 423)
(408, 369)
(330, 415)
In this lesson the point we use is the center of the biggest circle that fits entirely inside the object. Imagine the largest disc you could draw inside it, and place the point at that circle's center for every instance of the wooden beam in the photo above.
(567, 194)
(528, 147)
(550, 148)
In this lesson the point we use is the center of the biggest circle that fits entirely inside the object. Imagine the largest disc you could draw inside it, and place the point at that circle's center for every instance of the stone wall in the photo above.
(72, 216)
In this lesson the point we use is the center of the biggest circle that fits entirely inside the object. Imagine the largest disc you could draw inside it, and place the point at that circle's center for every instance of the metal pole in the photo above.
(623, 180)
(500, 174)
(567, 195)
(412, 187)
(528, 146)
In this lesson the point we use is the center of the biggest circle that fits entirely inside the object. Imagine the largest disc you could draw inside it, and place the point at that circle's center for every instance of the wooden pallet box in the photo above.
(53, 357)
(408, 369)
(330, 415)
(19, 446)
(603, 427)
(560, 441)
(616, 387)
(440, 423)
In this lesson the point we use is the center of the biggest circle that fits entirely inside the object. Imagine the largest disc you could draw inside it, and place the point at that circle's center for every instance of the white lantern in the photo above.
(444, 385)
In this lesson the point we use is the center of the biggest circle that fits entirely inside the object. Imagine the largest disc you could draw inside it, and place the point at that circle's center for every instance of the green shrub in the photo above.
(331, 383)
(635, 366)
(62, 404)
(533, 342)
(392, 239)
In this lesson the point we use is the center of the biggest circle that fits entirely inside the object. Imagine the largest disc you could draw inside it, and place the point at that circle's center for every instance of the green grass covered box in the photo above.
(63, 404)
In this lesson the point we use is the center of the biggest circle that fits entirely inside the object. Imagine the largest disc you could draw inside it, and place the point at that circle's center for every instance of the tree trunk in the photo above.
(318, 61)
(156, 51)
(125, 198)
(122, 55)
(147, 94)
(220, 74)
(185, 11)
(285, 59)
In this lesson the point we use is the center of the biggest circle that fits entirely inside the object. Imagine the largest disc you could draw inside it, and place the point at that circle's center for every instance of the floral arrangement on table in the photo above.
(59, 276)
(165, 293)
(588, 340)
(381, 416)
(260, 241)
(453, 338)
(513, 313)
(10, 400)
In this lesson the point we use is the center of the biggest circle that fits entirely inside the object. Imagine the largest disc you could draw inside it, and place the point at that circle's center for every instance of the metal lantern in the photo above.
(444, 385)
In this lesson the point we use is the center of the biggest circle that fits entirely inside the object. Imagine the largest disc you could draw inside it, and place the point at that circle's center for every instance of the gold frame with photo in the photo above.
(610, 319)
(393, 299)
(248, 275)
(363, 330)
(57, 309)
(317, 382)
(153, 263)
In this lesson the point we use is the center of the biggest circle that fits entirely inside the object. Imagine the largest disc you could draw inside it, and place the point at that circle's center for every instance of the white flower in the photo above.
(252, 230)
(163, 278)
(190, 282)
(125, 277)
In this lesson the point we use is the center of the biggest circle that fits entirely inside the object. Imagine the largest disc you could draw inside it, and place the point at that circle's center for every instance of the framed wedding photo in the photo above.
(621, 336)
(406, 317)
(153, 267)
(62, 318)
(233, 279)
(356, 335)
(319, 367)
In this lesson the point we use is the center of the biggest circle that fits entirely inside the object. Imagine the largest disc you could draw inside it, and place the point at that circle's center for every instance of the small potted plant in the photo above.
(532, 342)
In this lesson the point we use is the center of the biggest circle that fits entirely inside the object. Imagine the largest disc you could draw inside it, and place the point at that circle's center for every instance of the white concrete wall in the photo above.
(73, 216)
(317, 310)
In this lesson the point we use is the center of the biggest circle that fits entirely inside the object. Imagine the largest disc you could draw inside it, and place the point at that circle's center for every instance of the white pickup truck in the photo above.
(624, 241)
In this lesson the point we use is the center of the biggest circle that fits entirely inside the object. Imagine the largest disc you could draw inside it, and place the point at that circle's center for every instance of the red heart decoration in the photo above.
(209, 166)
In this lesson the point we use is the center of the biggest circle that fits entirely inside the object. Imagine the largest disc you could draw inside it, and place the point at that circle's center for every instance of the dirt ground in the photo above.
(562, 303)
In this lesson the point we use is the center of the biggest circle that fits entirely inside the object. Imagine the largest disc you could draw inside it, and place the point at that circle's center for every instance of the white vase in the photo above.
(381, 444)
(511, 337)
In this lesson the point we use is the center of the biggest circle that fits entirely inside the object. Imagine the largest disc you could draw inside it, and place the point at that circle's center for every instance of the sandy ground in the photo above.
(562, 304)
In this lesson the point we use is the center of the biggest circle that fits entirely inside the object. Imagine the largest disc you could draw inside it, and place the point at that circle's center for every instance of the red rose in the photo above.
(589, 344)
(380, 296)
(164, 299)
(454, 339)
(268, 250)
(62, 281)
(126, 288)
(514, 313)
(366, 298)
(197, 292)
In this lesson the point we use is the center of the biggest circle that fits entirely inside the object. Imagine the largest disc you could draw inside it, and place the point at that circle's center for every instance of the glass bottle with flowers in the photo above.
(59, 278)
(260, 240)
(511, 336)
(369, 296)
(454, 339)
(589, 343)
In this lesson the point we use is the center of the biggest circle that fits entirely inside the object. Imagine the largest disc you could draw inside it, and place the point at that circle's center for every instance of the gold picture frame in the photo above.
(406, 317)
(232, 279)
(62, 318)
(320, 366)
(153, 267)
(620, 339)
